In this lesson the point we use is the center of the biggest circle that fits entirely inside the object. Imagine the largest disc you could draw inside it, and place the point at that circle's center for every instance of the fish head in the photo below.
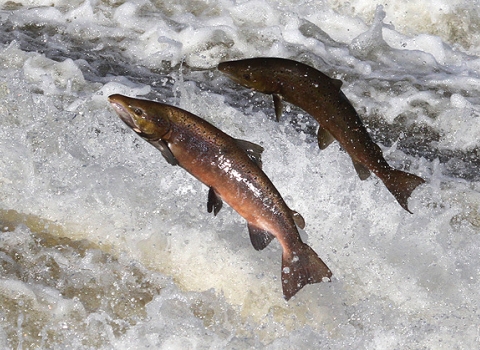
(254, 73)
(147, 118)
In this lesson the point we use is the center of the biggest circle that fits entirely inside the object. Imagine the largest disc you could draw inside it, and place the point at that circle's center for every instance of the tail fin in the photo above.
(401, 185)
(300, 267)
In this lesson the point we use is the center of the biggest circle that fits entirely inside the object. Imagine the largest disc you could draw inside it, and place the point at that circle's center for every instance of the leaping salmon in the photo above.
(231, 169)
(321, 97)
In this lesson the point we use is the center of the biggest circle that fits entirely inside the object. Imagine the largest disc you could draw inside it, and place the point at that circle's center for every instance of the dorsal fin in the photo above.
(337, 83)
(253, 151)
(299, 220)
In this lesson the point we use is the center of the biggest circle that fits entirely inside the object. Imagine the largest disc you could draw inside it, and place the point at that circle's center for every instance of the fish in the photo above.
(322, 98)
(231, 169)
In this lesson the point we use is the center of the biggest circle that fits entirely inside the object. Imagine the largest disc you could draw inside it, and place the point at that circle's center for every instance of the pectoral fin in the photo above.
(253, 150)
(166, 153)
(324, 138)
(277, 103)
(214, 202)
(259, 238)
(299, 220)
(362, 171)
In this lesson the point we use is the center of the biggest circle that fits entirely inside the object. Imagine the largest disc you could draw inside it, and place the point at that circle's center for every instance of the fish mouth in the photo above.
(226, 69)
(222, 66)
(233, 77)
(230, 71)
(123, 112)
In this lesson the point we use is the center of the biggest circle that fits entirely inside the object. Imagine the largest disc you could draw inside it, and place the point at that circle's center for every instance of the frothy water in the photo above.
(105, 245)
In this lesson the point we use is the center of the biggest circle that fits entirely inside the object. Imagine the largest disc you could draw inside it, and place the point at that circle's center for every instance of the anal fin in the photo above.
(362, 171)
(259, 238)
(214, 202)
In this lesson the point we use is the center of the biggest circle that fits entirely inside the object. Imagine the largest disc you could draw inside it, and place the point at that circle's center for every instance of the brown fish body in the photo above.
(215, 159)
(321, 97)
(231, 169)
(331, 109)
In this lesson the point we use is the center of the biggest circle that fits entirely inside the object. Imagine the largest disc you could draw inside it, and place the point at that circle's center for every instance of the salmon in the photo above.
(231, 169)
(321, 97)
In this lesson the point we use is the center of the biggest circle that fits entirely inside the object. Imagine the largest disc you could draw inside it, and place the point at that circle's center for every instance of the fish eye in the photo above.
(138, 111)
(247, 76)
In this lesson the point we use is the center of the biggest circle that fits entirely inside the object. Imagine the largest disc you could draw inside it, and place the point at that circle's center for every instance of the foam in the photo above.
(255, 13)
(440, 18)
(61, 77)
(144, 264)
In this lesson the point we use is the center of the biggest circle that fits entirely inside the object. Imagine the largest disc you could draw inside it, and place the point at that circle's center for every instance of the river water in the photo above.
(105, 245)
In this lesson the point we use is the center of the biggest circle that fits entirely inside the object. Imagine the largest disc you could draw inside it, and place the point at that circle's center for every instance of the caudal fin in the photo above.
(401, 185)
(300, 267)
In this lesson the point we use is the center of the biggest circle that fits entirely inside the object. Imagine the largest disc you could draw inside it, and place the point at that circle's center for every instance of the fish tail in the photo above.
(300, 267)
(401, 185)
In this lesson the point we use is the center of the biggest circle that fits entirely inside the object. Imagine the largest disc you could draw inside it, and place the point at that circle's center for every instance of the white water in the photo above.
(105, 245)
